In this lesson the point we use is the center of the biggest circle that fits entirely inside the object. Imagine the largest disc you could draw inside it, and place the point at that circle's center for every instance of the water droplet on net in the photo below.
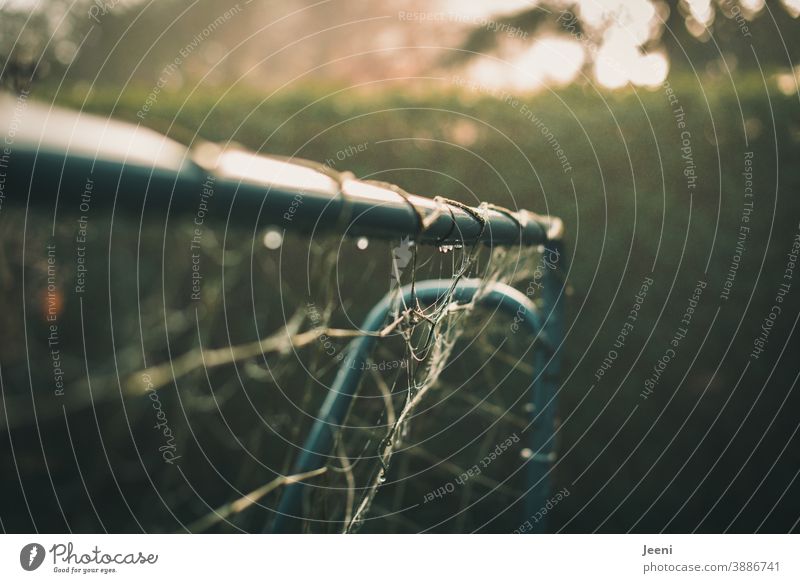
(362, 243)
(273, 239)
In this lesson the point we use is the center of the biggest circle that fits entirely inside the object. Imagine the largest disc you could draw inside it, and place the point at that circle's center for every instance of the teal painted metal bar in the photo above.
(56, 152)
(544, 397)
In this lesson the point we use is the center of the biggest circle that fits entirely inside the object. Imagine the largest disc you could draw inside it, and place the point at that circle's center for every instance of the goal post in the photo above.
(56, 153)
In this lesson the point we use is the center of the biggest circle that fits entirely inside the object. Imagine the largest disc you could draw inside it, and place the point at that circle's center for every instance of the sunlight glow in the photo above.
(635, 17)
(788, 82)
(701, 11)
(552, 59)
(549, 61)
(620, 62)
(617, 29)
(792, 7)
(752, 6)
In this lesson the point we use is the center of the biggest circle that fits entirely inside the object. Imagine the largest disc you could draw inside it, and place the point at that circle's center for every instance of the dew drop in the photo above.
(362, 243)
(273, 239)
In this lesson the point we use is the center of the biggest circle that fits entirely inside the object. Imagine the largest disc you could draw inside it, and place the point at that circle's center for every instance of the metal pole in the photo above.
(543, 397)
(136, 170)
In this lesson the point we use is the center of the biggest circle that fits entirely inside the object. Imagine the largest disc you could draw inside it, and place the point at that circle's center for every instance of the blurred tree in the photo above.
(688, 31)
(117, 42)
